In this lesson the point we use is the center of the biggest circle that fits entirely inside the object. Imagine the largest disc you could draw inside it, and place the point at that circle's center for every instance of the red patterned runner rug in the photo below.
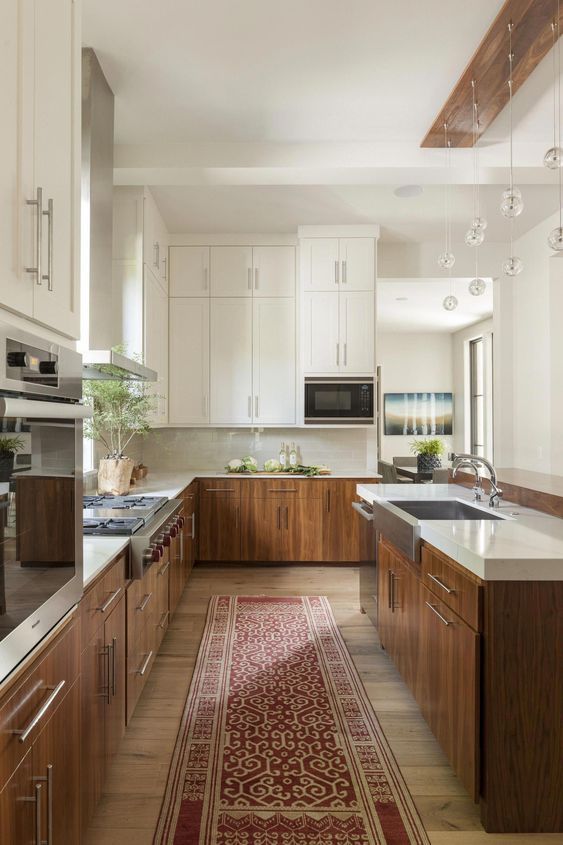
(278, 743)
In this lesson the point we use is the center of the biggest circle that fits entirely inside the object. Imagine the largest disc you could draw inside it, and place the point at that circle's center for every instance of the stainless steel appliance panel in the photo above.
(368, 560)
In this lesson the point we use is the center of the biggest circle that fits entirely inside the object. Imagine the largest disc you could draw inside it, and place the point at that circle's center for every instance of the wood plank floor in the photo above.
(130, 805)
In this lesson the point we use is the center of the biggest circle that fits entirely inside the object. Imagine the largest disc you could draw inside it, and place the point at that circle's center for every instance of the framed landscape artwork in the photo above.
(418, 413)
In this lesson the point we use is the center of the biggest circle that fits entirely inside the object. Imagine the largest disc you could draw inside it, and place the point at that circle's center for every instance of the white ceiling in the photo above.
(415, 305)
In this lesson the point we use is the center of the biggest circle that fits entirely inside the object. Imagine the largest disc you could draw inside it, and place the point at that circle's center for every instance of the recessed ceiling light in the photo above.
(405, 191)
(401, 298)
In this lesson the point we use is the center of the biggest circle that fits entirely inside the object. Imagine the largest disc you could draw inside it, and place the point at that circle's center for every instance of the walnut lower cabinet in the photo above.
(220, 519)
(40, 745)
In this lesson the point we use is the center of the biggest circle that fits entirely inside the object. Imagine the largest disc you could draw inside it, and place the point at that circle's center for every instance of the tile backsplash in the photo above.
(168, 449)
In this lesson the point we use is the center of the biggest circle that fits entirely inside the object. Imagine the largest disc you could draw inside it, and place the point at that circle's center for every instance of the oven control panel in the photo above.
(30, 364)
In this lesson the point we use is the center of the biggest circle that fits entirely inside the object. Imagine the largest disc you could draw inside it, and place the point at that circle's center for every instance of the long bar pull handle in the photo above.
(328, 501)
(48, 276)
(345, 354)
(282, 490)
(219, 490)
(146, 662)
(164, 268)
(145, 601)
(163, 619)
(164, 568)
(109, 601)
(250, 407)
(38, 793)
(440, 583)
(287, 518)
(38, 202)
(249, 278)
(107, 691)
(344, 272)
(389, 588)
(256, 407)
(47, 704)
(156, 257)
(279, 517)
(113, 670)
(337, 354)
(256, 278)
(48, 779)
(205, 278)
(437, 612)
(336, 273)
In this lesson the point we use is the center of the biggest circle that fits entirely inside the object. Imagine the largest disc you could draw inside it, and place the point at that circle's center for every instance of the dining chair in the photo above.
(389, 474)
(409, 461)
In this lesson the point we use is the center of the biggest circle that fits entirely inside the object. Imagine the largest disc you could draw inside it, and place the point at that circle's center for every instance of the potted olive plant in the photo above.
(8, 448)
(122, 410)
(428, 454)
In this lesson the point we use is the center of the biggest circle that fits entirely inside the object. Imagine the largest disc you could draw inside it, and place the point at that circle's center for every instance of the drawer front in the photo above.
(220, 488)
(140, 658)
(457, 590)
(161, 613)
(46, 684)
(141, 601)
(286, 488)
(101, 598)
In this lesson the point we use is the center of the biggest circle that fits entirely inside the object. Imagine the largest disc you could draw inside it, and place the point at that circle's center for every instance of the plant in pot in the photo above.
(428, 454)
(122, 410)
(8, 448)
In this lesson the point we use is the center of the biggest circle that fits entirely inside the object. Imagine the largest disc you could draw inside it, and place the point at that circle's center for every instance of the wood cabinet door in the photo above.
(357, 260)
(384, 568)
(231, 271)
(56, 764)
(321, 351)
(320, 266)
(274, 271)
(450, 695)
(357, 333)
(114, 636)
(18, 805)
(262, 530)
(220, 529)
(405, 620)
(93, 698)
(57, 160)
(231, 361)
(341, 528)
(274, 361)
(189, 361)
(189, 271)
(301, 529)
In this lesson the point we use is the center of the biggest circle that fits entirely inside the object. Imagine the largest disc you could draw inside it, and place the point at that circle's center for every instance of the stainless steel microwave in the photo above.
(332, 401)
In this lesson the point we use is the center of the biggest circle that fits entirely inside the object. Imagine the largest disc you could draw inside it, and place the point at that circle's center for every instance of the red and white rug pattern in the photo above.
(278, 743)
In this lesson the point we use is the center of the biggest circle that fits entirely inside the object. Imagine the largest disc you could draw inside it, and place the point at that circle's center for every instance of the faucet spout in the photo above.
(474, 461)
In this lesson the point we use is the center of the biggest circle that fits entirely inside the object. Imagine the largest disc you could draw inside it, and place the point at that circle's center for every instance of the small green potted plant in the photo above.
(428, 454)
(8, 448)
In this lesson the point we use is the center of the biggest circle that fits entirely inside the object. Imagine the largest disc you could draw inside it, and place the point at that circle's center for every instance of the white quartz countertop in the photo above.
(526, 547)
(99, 552)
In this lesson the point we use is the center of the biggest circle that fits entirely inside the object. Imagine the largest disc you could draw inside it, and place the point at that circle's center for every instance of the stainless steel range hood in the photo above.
(101, 361)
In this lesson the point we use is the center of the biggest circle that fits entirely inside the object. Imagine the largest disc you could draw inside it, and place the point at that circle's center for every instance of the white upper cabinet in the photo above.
(231, 361)
(231, 271)
(155, 241)
(40, 162)
(357, 263)
(273, 371)
(273, 270)
(357, 333)
(155, 351)
(320, 264)
(320, 321)
(189, 271)
(189, 361)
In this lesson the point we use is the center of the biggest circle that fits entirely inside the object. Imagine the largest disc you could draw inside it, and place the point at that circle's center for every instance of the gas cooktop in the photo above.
(108, 527)
(124, 502)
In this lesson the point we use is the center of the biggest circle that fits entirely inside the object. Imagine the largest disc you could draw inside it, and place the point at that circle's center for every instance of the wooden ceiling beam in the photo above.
(531, 41)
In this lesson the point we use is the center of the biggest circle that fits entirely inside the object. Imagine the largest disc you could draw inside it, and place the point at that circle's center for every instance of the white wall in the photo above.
(412, 363)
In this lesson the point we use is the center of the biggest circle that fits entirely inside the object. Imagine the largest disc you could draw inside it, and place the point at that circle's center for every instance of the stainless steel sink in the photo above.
(443, 509)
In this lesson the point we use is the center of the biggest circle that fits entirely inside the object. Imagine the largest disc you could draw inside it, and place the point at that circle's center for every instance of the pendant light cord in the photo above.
(510, 66)
(557, 123)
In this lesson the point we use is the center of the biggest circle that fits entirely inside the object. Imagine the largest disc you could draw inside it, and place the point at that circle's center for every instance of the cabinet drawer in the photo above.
(282, 488)
(140, 658)
(217, 488)
(451, 585)
(100, 599)
(141, 600)
(48, 680)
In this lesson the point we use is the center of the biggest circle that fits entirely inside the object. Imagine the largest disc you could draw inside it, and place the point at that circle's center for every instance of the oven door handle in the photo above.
(362, 511)
(32, 409)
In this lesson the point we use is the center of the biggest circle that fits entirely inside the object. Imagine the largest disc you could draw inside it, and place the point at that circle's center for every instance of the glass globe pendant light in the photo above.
(450, 303)
(475, 235)
(555, 237)
(511, 202)
(477, 286)
(552, 158)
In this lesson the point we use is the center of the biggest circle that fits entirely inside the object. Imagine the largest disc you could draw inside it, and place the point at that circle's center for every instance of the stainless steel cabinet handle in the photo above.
(344, 272)
(328, 501)
(38, 793)
(48, 276)
(163, 619)
(193, 526)
(146, 662)
(145, 601)
(256, 280)
(440, 583)
(48, 779)
(164, 568)
(279, 516)
(249, 278)
(336, 274)
(219, 490)
(38, 202)
(283, 490)
(47, 704)
(345, 354)
(205, 278)
(438, 614)
(337, 354)
(156, 257)
(256, 407)
(113, 672)
(287, 518)
(106, 652)
(164, 268)
(250, 407)
(389, 589)
(109, 601)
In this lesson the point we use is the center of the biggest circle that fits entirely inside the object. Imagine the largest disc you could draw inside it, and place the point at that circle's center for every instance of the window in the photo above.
(481, 396)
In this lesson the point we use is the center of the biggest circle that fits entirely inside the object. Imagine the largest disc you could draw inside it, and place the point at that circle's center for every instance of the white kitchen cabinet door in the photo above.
(357, 331)
(321, 349)
(164, 259)
(150, 234)
(231, 271)
(357, 263)
(17, 220)
(320, 265)
(231, 361)
(155, 308)
(274, 361)
(189, 361)
(189, 271)
(274, 270)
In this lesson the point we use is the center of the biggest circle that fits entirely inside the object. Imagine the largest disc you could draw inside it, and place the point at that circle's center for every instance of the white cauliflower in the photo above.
(272, 465)
(235, 465)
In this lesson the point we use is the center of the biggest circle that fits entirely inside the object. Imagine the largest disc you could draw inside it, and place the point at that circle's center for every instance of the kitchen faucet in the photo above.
(460, 461)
